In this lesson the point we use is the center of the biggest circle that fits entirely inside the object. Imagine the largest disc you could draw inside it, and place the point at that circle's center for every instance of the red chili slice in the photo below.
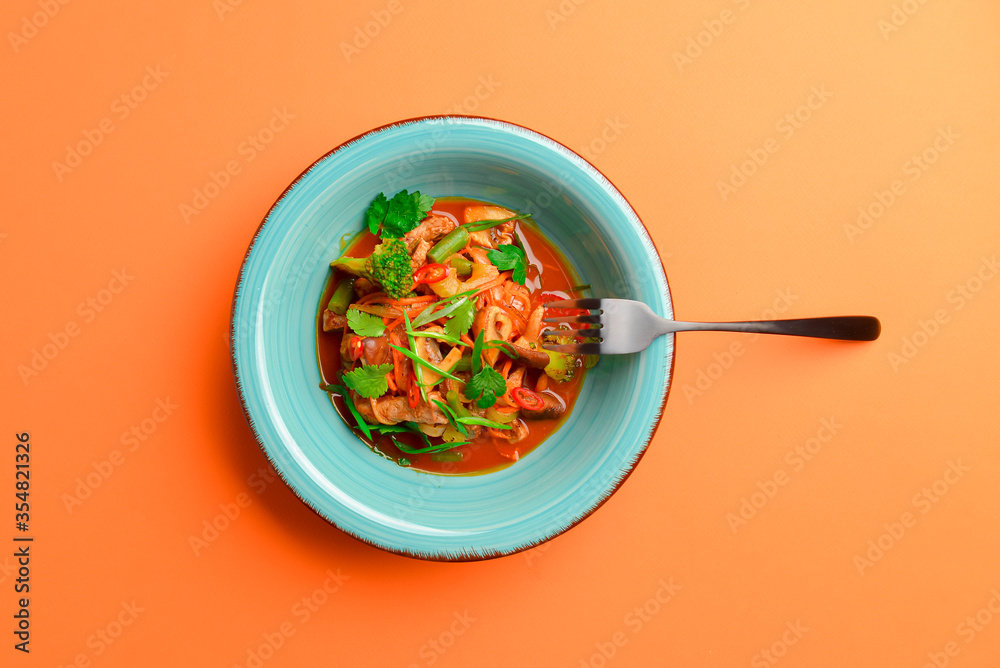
(430, 273)
(356, 346)
(413, 393)
(526, 399)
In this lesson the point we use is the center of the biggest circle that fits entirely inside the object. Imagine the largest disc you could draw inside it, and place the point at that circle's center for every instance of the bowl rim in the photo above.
(487, 553)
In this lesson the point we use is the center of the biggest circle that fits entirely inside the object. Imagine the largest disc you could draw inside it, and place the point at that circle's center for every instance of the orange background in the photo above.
(796, 576)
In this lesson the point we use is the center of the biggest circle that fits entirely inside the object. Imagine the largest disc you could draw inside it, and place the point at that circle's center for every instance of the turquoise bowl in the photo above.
(451, 518)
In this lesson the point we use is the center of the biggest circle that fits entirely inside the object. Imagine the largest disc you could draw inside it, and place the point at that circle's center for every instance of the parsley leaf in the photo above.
(485, 387)
(364, 324)
(376, 212)
(398, 215)
(460, 320)
(369, 381)
(511, 257)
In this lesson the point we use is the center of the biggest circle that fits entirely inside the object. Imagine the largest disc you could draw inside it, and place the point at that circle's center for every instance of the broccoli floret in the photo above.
(388, 265)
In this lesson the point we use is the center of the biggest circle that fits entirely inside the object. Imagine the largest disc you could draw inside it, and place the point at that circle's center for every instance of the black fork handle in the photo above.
(843, 327)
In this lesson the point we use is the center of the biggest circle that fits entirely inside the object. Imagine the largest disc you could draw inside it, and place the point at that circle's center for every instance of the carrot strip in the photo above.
(389, 301)
(371, 296)
(505, 369)
(492, 284)
(543, 382)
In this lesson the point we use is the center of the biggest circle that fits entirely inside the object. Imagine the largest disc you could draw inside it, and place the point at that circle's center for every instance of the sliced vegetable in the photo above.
(342, 296)
(527, 399)
(422, 362)
(483, 422)
(449, 244)
(342, 391)
(461, 265)
(355, 347)
(430, 273)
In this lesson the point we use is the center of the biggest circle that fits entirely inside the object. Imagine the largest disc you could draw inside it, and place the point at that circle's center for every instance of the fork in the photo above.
(625, 326)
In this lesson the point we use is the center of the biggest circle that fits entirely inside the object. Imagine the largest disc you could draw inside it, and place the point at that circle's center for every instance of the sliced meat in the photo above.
(479, 212)
(393, 410)
(419, 256)
(481, 238)
(553, 408)
(332, 321)
(431, 229)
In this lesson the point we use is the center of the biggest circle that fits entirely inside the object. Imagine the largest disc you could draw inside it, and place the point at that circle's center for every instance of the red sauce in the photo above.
(549, 279)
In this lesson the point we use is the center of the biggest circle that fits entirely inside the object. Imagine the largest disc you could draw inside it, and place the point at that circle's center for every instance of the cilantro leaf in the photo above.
(485, 387)
(364, 324)
(511, 257)
(460, 320)
(369, 381)
(376, 212)
(398, 215)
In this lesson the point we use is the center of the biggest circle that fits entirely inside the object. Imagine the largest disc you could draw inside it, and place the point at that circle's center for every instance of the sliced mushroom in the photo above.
(495, 325)
(554, 408)
(536, 359)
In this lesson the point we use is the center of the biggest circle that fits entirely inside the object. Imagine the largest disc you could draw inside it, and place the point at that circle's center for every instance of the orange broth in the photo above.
(549, 279)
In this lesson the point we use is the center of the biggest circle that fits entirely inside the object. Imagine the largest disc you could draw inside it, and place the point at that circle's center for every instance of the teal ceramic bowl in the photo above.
(454, 518)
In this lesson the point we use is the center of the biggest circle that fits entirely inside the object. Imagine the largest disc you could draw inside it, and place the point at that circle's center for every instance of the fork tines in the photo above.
(588, 348)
